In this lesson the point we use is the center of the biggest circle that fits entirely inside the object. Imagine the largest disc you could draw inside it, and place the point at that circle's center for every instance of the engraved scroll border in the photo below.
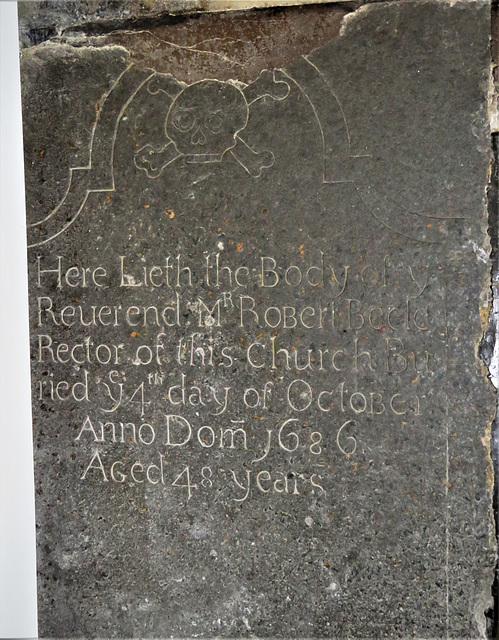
(339, 165)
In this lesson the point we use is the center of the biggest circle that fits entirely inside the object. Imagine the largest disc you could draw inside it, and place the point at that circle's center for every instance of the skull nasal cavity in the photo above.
(198, 137)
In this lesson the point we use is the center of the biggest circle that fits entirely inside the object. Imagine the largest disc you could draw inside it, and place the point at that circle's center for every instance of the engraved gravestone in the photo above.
(259, 278)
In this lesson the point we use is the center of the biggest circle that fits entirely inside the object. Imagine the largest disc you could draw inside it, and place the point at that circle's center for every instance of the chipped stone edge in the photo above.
(489, 317)
(160, 9)
(490, 439)
(179, 7)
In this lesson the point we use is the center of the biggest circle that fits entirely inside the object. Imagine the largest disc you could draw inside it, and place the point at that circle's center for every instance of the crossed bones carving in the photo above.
(205, 120)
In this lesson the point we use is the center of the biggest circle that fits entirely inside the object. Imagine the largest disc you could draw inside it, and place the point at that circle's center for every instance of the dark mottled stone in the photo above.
(337, 177)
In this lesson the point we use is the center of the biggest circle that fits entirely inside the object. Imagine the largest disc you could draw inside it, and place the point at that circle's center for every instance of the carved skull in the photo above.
(204, 119)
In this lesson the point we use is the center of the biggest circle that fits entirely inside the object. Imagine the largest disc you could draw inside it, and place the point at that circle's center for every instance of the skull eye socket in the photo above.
(183, 120)
(214, 121)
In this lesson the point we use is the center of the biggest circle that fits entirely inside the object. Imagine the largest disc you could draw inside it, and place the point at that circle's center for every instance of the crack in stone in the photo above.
(189, 48)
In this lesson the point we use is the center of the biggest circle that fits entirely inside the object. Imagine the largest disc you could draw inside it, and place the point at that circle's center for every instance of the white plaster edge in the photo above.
(18, 613)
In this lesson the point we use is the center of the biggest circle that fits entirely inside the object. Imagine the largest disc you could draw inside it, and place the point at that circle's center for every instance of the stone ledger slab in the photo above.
(259, 277)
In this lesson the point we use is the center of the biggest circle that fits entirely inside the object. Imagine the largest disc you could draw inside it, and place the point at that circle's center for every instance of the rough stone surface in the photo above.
(259, 277)
(41, 20)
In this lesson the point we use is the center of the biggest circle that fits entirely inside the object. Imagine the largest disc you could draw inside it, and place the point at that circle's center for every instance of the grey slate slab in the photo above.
(259, 278)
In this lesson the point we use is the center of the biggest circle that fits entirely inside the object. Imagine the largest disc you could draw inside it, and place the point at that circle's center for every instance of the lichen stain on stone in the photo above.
(489, 472)
(484, 316)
